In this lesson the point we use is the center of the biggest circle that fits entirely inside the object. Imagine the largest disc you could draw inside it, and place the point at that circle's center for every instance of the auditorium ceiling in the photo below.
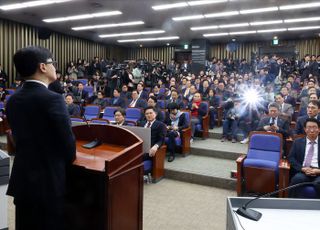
(153, 23)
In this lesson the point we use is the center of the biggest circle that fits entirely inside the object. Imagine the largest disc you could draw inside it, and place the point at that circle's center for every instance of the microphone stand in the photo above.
(92, 144)
(255, 215)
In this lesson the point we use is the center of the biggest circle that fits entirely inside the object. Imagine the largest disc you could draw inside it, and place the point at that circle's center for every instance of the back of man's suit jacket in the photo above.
(44, 142)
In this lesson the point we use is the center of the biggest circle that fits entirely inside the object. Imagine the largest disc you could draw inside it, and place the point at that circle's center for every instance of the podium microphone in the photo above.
(92, 144)
(255, 215)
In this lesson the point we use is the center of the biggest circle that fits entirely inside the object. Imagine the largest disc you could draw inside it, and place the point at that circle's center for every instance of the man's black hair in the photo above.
(311, 119)
(27, 60)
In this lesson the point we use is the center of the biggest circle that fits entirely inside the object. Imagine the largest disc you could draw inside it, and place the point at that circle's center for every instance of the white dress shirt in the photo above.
(314, 162)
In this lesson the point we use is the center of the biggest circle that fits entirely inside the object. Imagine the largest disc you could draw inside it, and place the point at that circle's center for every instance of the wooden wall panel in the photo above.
(14, 36)
(160, 53)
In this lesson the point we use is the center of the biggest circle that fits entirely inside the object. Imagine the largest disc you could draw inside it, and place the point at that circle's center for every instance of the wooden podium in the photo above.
(105, 183)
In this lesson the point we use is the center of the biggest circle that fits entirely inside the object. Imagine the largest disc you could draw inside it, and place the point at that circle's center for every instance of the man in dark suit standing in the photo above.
(305, 157)
(273, 123)
(45, 145)
(312, 112)
(158, 132)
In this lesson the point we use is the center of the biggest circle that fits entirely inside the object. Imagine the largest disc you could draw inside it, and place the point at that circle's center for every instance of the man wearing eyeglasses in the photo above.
(45, 145)
(305, 159)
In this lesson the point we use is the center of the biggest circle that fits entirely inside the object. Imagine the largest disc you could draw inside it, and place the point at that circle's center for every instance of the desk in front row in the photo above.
(105, 184)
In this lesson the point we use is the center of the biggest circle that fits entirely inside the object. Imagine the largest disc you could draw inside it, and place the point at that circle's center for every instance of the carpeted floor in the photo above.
(174, 205)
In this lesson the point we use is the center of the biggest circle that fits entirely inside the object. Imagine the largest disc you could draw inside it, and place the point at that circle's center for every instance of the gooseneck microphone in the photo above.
(92, 144)
(255, 215)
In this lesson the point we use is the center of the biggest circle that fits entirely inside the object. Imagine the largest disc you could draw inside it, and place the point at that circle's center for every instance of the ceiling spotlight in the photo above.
(168, 44)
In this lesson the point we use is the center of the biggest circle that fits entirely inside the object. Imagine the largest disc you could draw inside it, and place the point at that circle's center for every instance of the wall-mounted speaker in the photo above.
(44, 33)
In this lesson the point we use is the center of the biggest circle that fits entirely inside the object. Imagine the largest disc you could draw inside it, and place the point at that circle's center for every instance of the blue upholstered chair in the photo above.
(262, 170)
(99, 121)
(183, 142)
(161, 104)
(133, 114)
(202, 128)
(11, 91)
(109, 113)
(89, 89)
(83, 81)
(91, 111)
(156, 166)
(76, 119)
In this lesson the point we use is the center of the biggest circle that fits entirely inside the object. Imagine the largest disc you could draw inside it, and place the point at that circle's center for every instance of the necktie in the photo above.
(308, 160)
(132, 103)
(149, 124)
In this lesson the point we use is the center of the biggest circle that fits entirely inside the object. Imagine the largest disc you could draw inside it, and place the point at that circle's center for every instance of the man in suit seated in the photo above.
(285, 109)
(152, 102)
(273, 123)
(304, 157)
(125, 94)
(73, 109)
(120, 117)
(158, 132)
(312, 112)
(175, 99)
(117, 100)
(140, 89)
(303, 109)
(80, 94)
(287, 98)
(176, 121)
(136, 101)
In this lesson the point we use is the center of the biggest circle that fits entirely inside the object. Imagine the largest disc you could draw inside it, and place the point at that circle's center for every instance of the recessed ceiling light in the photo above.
(83, 16)
(204, 28)
(191, 17)
(131, 34)
(300, 6)
(170, 6)
(216, 35)
(29, 4)
(122, 24)
(149, 39)
(234, 25)
(243, 32)
(302, 19)
(272, 30)
(304, 28)
(259, 10)
(222, 14)
(266, 22)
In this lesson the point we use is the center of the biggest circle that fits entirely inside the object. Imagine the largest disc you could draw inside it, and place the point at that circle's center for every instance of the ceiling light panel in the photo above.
(302, 20)
(149, 39)
(203, 28)
(234, 25)
(222, 14)
(112, 25)
(186, 4)
(259, 10)
(266, 22)
(132, 34)
(243, 32)
(30, 4)
(272, 30)
(83, 16)
(304, 28)
(300, 6)
(216, 35)
(205, 2)
(170, 6)
(191, 17)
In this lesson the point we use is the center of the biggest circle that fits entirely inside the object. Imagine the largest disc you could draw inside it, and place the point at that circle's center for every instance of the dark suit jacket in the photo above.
(74, 110)
(84, 95)
(120, 102)
(290, 100)
(297, 154)
(45, 144)
(178, 101)
(281, 123)
(56, 87)
(158, 132)
(141, 103)
(300, 124)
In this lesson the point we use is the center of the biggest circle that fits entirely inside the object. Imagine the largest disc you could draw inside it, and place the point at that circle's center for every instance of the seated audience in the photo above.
(80, 95)
(176, 121)
(73, 109)
(287, 98)
(120, 117)
(198, 110)
(175, 99)
(136, 101)
(117, 100)
(285, 109)
(158, 132)
(230, 124)
(304, 157)
(214, 103)
(312, 112)
(274, 123)
(100, 100)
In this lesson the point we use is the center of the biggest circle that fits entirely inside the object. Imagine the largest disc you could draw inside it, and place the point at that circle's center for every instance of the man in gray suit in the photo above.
(285, 109)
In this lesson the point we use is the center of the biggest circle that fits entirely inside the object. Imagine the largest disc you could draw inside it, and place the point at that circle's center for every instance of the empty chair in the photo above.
(109, 113)
(133, 114)
(77, 119)
(262, 170)
(89, 89)
(91, 111)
